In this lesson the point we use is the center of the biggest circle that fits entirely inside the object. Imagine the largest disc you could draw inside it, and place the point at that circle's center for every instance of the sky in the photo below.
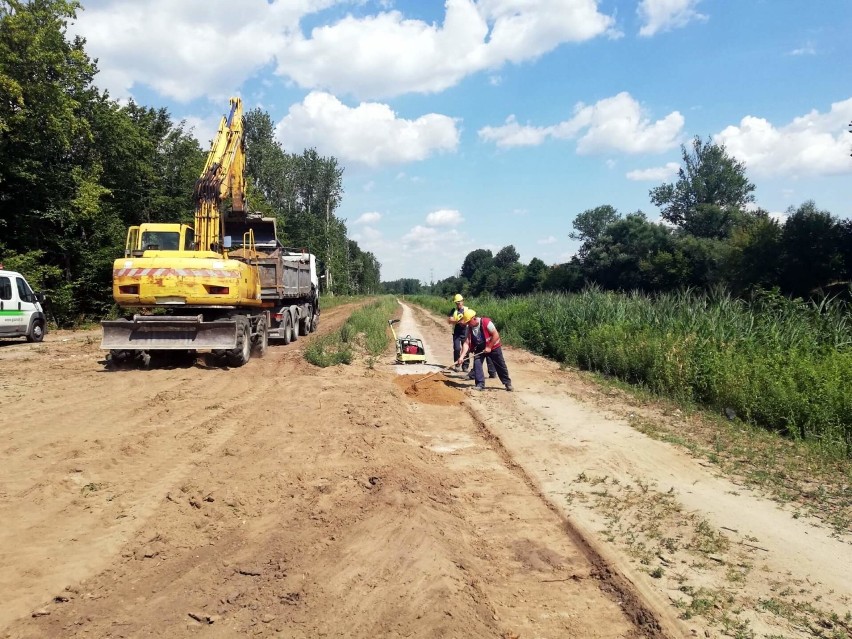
(478, 124)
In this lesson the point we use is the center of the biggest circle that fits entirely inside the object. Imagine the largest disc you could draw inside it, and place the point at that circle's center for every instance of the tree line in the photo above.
(710, 237)
(77, 168)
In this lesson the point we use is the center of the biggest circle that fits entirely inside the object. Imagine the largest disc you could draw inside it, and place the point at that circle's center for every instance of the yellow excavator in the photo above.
(188, 292)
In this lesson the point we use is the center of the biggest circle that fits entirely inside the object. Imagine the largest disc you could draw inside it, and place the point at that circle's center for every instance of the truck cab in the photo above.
(21, 314)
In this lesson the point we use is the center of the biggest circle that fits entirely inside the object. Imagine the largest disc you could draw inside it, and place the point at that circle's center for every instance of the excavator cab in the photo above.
(158, 237)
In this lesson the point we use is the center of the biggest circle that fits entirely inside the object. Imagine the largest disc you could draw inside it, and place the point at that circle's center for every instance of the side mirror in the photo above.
(226, 241)
(41, 298)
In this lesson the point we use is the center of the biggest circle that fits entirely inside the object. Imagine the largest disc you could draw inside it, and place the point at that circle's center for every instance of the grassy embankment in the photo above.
(365, 330)
(782, 368)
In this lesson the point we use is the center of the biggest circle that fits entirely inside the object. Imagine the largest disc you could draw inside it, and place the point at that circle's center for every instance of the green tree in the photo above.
(47, 177)
(591, 224)
(564, 277)
(533, 277)
(634, 253)
(506, 257)
(710, 195)
(478, 260)
(754, 261)
(812, 250)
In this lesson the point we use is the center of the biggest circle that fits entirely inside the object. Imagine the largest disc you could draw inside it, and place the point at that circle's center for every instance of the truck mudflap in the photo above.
(162, 332)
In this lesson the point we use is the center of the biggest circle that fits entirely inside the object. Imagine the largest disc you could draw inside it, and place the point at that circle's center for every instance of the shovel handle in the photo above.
(442, 370)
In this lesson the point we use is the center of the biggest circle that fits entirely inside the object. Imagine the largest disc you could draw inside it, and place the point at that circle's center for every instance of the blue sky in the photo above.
(482, 123)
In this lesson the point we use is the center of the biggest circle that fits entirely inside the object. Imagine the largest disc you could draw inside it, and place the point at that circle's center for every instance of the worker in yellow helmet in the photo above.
(458, 331)
(483, 340)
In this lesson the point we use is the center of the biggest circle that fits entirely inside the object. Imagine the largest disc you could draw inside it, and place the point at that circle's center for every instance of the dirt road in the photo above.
(280, 499)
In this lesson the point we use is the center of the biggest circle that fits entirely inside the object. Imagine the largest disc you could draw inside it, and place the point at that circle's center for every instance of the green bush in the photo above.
(365, 328)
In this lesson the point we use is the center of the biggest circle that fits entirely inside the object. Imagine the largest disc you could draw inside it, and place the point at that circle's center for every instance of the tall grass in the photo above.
(780, 364)
(366, 329)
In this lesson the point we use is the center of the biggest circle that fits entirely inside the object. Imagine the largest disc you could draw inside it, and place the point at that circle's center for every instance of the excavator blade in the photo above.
(144, 333)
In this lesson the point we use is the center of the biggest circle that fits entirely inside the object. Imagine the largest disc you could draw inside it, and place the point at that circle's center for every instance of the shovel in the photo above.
(442, 370)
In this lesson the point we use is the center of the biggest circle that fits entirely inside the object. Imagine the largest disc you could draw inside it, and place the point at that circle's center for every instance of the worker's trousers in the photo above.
(458, 340)
(496, 364)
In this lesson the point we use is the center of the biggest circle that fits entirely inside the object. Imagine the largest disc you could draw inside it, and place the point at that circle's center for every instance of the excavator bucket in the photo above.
(155, 332)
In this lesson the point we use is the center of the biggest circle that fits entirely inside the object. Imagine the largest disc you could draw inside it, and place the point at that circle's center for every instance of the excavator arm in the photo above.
(221, 178)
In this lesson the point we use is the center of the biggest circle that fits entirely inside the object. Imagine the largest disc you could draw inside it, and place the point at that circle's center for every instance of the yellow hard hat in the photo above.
(468, 315)
(458, 298)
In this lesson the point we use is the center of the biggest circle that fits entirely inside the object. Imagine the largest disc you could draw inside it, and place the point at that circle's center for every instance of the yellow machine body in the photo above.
(160, 268)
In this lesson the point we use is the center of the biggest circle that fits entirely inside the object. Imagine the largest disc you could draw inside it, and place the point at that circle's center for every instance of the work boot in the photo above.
(492, 375)
(509, 387)
(479, 387)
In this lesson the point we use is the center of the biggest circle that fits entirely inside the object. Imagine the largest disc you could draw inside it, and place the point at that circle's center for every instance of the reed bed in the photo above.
(781, 364)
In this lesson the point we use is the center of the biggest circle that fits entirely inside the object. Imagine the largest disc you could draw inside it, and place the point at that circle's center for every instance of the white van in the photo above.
(21, 314)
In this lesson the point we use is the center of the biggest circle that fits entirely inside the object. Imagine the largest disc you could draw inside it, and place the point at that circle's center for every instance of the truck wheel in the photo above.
(240, 354)
(37, 333)
(286, 329)
(304, 326)
(314, 322)
(261, 340)
(295, 333)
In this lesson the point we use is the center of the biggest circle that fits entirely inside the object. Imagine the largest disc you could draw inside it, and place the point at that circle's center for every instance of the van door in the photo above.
(12, 320)
(27, 302)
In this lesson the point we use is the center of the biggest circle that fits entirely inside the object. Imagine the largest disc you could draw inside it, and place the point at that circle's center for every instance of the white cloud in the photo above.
(369, 236)
(656, 174)
(444, 217)
(183, 50)
(433, 241)
(665, 15)
(386, 54)
(370, 134)
(808, 49)
(368, 218)
(203, 129)
(421, 252)
(547, 240)
(813, 144)
(617, 123)
(513, 134)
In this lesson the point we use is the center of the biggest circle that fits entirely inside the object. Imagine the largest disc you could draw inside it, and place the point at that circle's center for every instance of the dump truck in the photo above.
(289, 283)
(224, 283)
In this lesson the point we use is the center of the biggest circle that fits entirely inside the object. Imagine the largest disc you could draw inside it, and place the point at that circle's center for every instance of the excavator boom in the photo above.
(223, 176)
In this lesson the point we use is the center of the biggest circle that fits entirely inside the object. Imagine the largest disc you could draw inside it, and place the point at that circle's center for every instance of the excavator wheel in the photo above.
(240, 354)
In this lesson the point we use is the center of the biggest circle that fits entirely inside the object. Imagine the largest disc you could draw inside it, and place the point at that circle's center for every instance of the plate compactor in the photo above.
(409, 350)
